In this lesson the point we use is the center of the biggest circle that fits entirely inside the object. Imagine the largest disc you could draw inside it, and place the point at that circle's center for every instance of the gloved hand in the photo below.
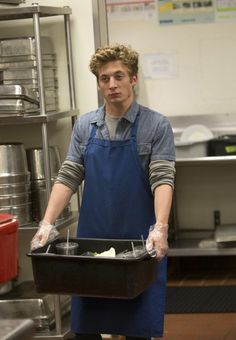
(157, 239)
(45, 233)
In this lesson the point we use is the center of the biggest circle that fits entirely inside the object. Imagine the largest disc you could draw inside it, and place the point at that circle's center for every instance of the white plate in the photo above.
(196, 133)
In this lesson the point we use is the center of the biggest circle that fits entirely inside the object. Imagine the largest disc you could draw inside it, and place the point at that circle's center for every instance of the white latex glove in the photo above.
(45, 233)
(157, 239)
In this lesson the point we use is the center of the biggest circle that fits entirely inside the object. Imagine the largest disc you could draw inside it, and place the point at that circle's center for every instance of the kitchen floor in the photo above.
(197, 326)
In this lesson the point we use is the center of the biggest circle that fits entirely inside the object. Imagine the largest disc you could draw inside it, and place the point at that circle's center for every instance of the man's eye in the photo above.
(119, 76)
(104, 79)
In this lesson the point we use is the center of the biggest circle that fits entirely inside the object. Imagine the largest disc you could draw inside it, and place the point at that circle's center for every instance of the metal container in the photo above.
(14, 189)
(22, 213)
(17, 107)
(24, 46)
(48, 82)
(190, 149)
(8, 201)
(18, 92)
(27, 57)
(27, 73)
(26, 64)
(12, 178)
(24, 302)
(39, 202)
(35, 161)
(13, 159)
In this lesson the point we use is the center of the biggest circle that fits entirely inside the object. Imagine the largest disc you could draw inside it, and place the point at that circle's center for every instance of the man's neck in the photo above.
(118, 110)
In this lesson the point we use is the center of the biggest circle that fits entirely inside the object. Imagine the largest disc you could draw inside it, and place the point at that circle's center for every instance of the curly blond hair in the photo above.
(125, 54)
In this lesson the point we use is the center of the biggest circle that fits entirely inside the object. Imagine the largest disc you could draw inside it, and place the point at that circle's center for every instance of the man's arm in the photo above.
(162, 203)
(158, 235)
(59, 199)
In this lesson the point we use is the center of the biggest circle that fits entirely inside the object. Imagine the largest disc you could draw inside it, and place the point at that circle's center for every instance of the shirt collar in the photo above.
(130, 116)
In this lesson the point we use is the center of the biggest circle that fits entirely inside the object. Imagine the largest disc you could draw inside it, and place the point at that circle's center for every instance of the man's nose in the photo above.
(112, 82)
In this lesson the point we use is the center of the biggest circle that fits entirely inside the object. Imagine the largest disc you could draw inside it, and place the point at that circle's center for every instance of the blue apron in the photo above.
(118, 203)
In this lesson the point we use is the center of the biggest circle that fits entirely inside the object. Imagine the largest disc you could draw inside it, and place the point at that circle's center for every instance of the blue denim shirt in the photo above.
(155, 139)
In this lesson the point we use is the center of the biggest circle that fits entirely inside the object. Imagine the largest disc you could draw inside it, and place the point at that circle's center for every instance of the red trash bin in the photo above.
(8, 247)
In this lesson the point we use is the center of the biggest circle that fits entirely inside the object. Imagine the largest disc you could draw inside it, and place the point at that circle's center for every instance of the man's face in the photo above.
(115, 84)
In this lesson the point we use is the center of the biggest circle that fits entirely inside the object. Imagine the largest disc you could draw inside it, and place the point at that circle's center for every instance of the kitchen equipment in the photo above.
(23, 212)
(24, 302)
(10, 200)
(24, 46)
(13, 159)
(35, 161)
(27, 57)
(196, 133)
(18, 92)
(14, 189)
(8, 247)
(225, 233)
(27, 73)
(190, 149)
(17, 107)
(222, 146)
(111, 277)
(9, 64)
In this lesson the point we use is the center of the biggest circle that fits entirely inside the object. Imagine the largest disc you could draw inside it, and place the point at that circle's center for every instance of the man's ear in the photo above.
(134, 79)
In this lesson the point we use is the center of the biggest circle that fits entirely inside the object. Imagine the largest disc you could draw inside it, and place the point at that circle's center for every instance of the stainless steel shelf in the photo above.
(29, 119)
(27, 12)
(190, 247)
(60, 224)
(211, 160)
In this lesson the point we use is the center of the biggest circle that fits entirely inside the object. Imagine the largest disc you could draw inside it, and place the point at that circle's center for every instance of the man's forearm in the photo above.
(59, 199)
(162, 202)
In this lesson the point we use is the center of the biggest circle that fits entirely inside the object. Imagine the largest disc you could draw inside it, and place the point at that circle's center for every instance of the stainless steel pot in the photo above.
(36, 162)
(13, 159)
(8, 179)
(14, 189)
(11, 200)
(22, 212)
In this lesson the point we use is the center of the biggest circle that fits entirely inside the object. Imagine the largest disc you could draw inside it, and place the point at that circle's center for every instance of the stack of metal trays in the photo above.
(17, 100)
(18, 66)
(23, 302)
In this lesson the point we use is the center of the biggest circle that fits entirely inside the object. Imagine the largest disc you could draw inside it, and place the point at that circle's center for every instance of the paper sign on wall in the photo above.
(159, 65)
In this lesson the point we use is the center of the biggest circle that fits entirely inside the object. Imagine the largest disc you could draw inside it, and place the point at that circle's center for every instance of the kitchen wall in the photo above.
(59, 132)
(203, 58)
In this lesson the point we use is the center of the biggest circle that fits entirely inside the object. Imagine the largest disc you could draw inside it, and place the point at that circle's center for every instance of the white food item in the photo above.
(108, 253)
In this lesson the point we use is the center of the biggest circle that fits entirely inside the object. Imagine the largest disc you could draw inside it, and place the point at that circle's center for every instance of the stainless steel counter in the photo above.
(16, 329)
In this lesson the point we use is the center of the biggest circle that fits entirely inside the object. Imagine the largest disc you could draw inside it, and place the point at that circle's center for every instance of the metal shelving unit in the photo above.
(187, 242)
(37, 119)
(36, 12)
(210, 160)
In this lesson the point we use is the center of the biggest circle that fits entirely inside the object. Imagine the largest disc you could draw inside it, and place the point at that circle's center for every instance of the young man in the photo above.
(125, 154)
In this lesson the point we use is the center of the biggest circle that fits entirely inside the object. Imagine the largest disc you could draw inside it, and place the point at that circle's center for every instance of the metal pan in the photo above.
(8, 106)
(27, 57)
(24, 45)
(25, 64)
(27, 73)
(18, 92)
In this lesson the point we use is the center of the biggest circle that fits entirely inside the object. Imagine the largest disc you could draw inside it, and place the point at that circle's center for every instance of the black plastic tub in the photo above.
(92, 276)
(222, 146)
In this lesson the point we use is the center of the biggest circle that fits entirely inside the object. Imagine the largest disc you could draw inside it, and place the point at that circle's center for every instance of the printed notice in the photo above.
(185, 11)
(226, 10)
(131, 9)
(159, 65)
